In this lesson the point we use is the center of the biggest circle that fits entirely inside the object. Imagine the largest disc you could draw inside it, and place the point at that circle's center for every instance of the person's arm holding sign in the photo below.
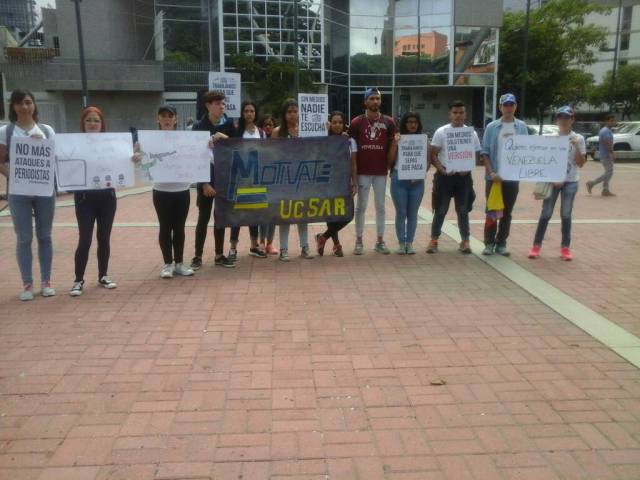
(4, 166)
(207, 188)
(392, 154)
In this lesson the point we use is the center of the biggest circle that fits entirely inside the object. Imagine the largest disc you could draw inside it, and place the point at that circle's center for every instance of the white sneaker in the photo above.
(183, 270)
(167, 271)
(26, 294)
(106, 282)
(48, 291)
(76, 290)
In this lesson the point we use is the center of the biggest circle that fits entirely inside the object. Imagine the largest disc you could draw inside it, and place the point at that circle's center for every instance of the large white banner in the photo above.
(32, 166)
(313, 114)
(87, 161)
(230, 85)
(174, 156)
(412, 157)
(460, 149)
(534, 158)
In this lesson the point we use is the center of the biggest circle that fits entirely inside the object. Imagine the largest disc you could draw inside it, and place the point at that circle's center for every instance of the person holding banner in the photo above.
(289, 129)
(23, 115)
(454, 150)
(171, 202)
(220, 127)
(496, 231)
(406, 194)
(247, 128)
(566, 190)
(337, 127)
(267, 231)
(93, 207)
(373, 133)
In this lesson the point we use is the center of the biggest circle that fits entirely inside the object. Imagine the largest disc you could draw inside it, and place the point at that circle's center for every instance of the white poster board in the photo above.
(313, 111)
(460, 149)
(534, 158)
(230, 85)
(412, 157)
(87, 161)
(174, 156)
(32, 166)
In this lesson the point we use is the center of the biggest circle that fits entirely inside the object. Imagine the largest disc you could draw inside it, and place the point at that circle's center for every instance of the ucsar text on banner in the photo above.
(282, 181)
(534, 158)
(32, 166)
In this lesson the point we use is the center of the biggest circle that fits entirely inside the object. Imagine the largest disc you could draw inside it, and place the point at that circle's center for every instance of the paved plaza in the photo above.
(425, 367)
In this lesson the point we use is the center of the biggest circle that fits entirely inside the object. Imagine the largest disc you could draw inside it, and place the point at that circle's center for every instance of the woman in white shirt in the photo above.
(23, 114)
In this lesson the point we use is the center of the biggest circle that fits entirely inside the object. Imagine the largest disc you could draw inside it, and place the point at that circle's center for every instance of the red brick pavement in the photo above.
(321, 369)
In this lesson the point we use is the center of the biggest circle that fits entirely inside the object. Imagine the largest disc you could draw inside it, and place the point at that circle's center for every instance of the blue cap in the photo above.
(565, 110)
(371, 91)
(508, 98)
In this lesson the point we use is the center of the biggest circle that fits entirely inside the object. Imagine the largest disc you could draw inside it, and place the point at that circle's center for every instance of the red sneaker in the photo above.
(320, 241)
(433, 246)
(565, 254)
(535, 251)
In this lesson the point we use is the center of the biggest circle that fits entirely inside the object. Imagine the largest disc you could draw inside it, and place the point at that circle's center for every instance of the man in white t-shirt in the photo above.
(453, 177)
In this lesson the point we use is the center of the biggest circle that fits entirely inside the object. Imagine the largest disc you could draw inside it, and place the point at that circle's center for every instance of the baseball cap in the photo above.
(508, 98)
(166, 108)
(371, 91)
(565, 110)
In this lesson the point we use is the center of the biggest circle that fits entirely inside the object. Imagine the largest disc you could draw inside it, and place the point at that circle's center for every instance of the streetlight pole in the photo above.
(525, 67)
(83, 66)
(296, 71)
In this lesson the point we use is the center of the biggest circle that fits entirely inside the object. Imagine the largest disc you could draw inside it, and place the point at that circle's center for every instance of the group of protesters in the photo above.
(373, 140)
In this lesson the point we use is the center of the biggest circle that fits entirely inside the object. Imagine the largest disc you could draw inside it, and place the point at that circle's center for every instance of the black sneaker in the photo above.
(196, 263)
(233, 255)
(223, 261)
(257, 252)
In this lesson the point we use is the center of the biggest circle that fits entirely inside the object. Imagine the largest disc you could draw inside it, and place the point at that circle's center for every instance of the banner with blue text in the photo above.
(298, 180)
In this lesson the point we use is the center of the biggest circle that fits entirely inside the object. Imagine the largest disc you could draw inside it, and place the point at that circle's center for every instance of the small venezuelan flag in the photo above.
(251, 198)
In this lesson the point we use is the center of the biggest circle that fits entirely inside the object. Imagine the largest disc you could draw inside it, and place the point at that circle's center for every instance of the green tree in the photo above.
(626, 92)
(560, 43)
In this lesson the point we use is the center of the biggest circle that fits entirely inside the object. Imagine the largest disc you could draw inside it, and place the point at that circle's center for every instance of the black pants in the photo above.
(332, 231)
(460, 187)
(172, 209)
(496, 232)
(205, 205)
(235, 233)
(99, 207)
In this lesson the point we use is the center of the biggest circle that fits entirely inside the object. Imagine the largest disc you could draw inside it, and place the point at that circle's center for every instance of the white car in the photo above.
(626, 138)
(547, 130)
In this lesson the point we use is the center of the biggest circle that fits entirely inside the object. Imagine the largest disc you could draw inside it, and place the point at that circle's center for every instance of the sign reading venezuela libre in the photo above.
(297, 180)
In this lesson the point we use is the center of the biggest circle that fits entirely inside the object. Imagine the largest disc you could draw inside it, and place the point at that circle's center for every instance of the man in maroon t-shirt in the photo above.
(373, 133)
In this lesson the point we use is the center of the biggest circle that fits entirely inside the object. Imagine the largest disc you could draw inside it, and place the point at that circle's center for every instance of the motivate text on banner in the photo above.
(86, 161)
(313, 112)
(460, 150)
(31, 170)
(412, 157)
(174, 156)
(534, 158)
(283, 181)
(230, 85)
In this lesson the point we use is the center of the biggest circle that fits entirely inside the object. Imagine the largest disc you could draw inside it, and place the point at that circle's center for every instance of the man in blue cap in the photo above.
(496, 231)
(373, 133)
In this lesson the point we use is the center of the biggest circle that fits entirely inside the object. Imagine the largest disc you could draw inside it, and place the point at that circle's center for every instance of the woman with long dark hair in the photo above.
(23, 115)
(337, 126)
(268, 230)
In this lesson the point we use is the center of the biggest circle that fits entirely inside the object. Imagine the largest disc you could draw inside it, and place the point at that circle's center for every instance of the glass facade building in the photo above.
(413, 50)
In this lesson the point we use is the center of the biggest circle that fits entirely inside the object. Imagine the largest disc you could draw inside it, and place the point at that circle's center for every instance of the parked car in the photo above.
(547, 130)
(626, 137)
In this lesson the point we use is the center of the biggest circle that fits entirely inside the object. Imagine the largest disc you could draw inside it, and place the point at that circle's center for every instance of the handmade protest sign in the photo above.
(230, 85)
(174, 156)
(87, 161)
(32, 166)
(412, 157)
(313, 111)
(283, 181)
(460, 149)
(534, 158)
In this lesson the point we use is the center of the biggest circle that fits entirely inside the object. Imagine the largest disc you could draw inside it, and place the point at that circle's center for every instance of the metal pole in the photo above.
(612, 92)
(296, 70)
(525, 67)
(83, 66)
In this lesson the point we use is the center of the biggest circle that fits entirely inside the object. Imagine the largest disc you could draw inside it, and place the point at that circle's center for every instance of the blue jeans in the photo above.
(407, 196)
(23, 209)
(303, 233)
(568, 191)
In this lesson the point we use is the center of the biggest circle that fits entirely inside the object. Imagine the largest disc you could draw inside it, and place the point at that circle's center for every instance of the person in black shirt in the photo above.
(220, 127)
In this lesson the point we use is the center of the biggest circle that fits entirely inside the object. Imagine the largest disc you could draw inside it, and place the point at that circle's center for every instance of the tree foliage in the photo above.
(627, 90)
(560, 44)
